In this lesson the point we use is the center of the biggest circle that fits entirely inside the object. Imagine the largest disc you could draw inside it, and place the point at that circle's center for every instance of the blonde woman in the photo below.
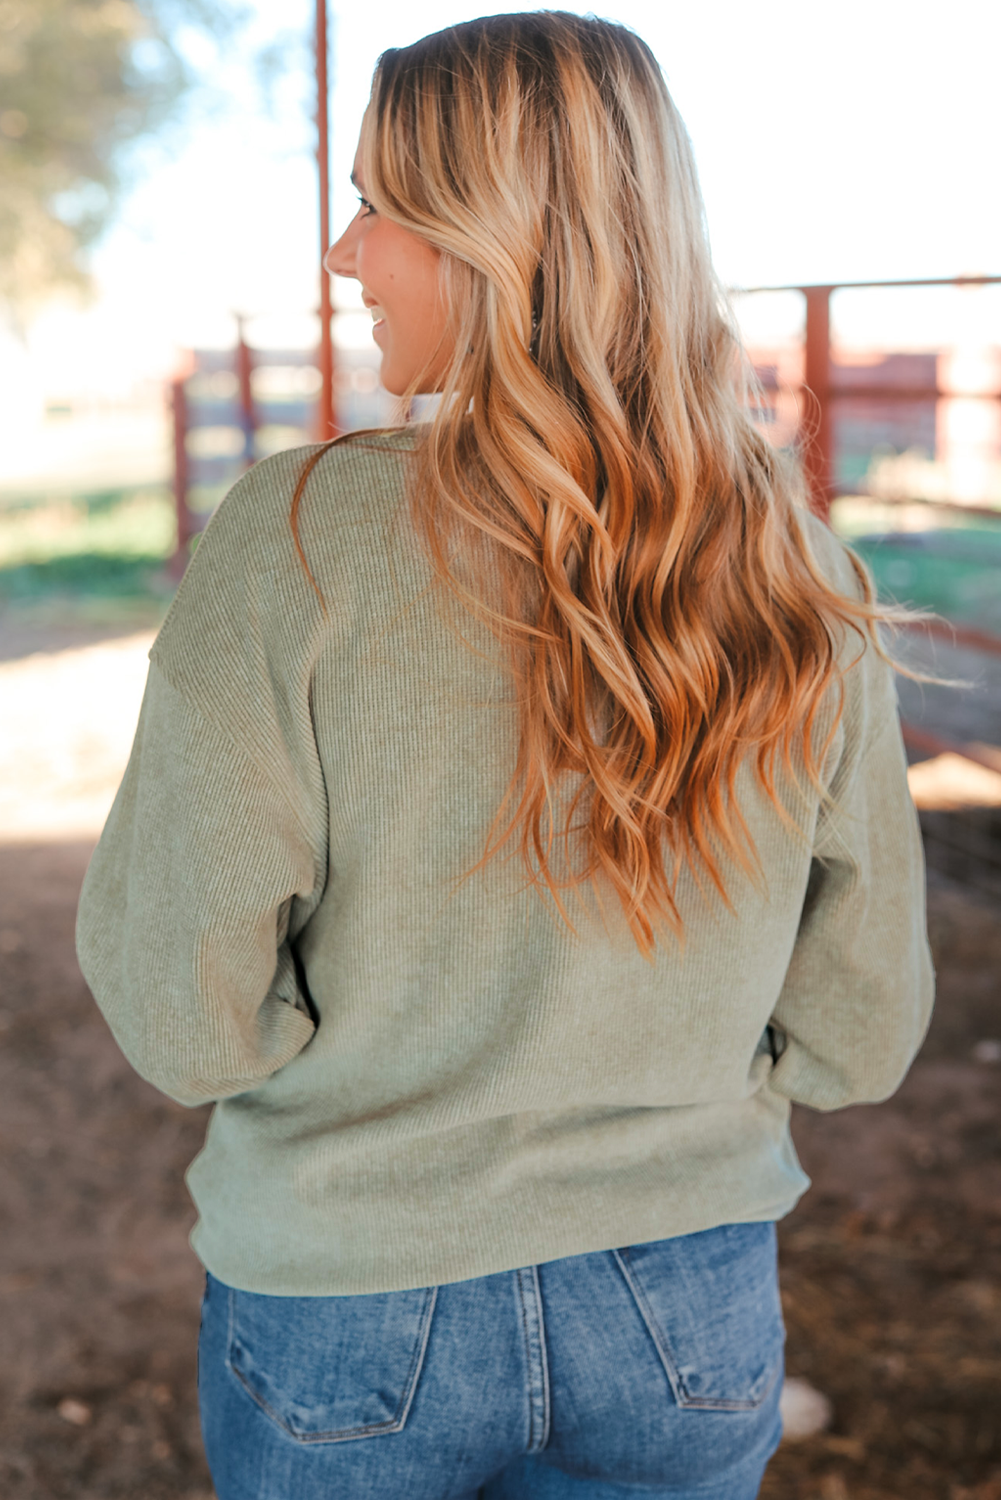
(517, 822)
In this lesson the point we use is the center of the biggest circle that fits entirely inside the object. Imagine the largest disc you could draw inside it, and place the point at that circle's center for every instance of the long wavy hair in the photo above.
(640, 552)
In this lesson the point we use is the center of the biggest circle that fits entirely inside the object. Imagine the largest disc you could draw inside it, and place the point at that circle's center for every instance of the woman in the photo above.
(517, 822)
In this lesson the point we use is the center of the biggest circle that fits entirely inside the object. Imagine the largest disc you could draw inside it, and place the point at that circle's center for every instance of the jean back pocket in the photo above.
(711, 1304)
(328, 1369)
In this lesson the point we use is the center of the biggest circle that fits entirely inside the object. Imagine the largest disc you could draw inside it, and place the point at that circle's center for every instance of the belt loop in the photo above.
(530, 1297)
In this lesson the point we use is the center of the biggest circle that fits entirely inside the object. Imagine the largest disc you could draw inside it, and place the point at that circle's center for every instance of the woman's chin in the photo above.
(406, 382)
(391, 378)
(394, 386)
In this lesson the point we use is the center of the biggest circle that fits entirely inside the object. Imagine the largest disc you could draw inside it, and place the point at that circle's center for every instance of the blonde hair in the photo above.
(663, 615)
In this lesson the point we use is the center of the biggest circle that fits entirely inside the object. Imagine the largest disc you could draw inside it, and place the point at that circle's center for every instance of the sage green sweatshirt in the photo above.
(420, 1078)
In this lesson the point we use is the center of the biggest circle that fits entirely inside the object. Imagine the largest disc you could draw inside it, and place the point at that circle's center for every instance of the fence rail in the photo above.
(821, 389)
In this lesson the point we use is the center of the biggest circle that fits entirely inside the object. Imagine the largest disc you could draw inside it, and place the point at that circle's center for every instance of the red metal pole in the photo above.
(817, 428)
(185, 525)
(325, 425)
(244, 373)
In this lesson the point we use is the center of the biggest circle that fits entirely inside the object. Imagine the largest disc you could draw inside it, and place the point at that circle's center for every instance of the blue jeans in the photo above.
(653, 1370)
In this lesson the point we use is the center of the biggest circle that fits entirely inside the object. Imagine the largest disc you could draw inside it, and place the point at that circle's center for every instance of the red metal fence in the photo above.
(820, 393)
(818, 396)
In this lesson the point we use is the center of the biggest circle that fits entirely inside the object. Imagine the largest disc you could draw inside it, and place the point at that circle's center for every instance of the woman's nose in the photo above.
(340, 258)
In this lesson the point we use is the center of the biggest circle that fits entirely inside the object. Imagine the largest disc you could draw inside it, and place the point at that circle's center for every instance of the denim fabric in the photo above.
(650, 1370)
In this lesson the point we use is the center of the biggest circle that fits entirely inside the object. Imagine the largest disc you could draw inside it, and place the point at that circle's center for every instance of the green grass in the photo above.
(119, 526)
(92, 557)
(952, 568)
(99, 558)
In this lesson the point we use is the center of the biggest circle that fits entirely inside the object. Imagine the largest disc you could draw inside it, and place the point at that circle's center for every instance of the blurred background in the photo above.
(161, 328)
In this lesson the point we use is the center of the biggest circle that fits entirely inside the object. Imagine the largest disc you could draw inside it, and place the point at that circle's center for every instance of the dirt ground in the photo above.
(891, 1265)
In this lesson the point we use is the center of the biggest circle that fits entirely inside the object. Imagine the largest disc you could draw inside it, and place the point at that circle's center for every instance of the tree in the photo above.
(80, 82)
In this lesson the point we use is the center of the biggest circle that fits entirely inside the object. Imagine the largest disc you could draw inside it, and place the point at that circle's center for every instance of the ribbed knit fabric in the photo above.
(423, 1079)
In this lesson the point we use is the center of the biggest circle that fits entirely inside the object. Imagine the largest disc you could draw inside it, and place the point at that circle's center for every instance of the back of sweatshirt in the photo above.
(421, 1075)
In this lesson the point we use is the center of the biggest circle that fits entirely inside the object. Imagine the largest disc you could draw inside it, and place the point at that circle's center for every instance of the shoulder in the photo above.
(842, 568)
(246, 603)
(248, 548)
(351, 473)
(866, 671)
(246, 597)
(847, 575)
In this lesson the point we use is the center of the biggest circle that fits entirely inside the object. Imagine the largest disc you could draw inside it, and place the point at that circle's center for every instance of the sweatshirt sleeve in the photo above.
(202, 878)
(214, 855)
(858, 992)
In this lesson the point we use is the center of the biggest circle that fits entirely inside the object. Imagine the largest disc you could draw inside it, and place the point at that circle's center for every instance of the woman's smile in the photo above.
(378, 316)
